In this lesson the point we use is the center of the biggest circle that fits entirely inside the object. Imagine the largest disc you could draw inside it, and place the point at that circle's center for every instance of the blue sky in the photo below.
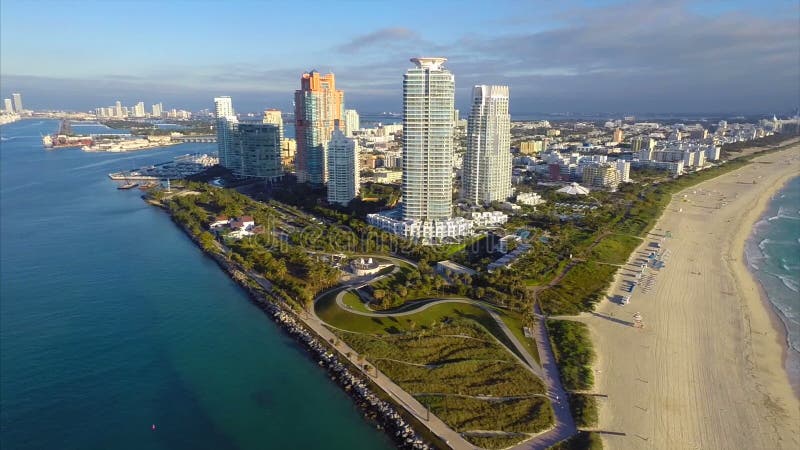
(626, 56)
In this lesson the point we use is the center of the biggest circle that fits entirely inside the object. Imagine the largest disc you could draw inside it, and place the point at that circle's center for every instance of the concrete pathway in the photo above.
(565, 425)
(521, 354)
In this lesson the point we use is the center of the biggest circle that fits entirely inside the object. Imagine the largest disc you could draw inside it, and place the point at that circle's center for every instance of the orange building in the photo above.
(319, 108)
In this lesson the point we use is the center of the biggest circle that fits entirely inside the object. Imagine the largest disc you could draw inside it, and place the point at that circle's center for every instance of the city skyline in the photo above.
(616, 56)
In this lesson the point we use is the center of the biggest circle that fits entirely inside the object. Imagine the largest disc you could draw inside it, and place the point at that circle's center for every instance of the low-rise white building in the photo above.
(530, 198)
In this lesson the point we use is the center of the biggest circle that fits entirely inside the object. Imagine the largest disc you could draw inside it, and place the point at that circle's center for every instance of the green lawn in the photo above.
(515, 323)
(579, 290)
(614, 249)
(528, 415)
(584, 409)
(574, 353)
(354, 301)
(449, 349)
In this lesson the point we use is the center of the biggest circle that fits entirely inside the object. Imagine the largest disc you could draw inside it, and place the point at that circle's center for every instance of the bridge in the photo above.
(196, 138)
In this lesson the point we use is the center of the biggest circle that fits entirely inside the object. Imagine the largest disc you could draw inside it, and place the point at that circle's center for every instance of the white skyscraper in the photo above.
(17, 102)
(428, 104)
(8, 106)
(118, 109)
(351, 122)
(226, 125)
(343, 180)
(138, 110)
(158, 110)
(487, 161)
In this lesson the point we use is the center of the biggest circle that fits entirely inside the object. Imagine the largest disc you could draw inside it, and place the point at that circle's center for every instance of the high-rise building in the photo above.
(531, 147)
(624, 169)
(8, 106)
(255, 151)
(17, 102)
(319, 107)
(603, 175)
(487, 162)
(618, 135)
(158, 110)
(138, 110)
(226, 124)
(118, 109)
(351, 122)
(428, 104)
(273, 116)
(343, 176)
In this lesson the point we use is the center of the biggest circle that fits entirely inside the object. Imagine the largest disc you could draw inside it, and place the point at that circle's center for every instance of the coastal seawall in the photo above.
(398, 424)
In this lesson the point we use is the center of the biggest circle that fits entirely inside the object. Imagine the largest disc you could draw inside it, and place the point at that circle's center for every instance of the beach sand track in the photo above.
(707, 369)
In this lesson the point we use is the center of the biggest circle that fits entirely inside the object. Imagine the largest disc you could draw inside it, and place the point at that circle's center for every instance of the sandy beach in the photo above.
(707, 369)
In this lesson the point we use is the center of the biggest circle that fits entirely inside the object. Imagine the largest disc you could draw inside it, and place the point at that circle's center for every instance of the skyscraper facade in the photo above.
(255, 151)
(8, 106)
(428, 104)
(157, 110)
(226, 124)
(138, 110)
(17, 102)
(343, 176)
(118, 109)
(273, 116)
(487, 162)
(351, 122)
(319, 107)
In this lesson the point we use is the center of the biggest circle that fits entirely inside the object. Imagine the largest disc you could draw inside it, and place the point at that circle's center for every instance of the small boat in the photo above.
(128, 185)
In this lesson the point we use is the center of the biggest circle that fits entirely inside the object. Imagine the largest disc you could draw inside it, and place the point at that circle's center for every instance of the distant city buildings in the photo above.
(247, 149)
(138, 110)
(226, 123)
(319, 107)
(601, 175)
(274, 117)
(17, 97)
(351, 122)
(531, 147)
(487, 162)
(343, 172)
(8, 106)
(618, 135)
(157, 110)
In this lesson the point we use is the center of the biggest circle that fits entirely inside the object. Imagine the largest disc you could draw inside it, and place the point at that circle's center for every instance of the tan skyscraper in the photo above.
(319, 107)
(618, 135)
(273, 116)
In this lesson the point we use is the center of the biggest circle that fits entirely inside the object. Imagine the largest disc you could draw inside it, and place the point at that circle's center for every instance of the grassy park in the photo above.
(574, 354)
(452, 366)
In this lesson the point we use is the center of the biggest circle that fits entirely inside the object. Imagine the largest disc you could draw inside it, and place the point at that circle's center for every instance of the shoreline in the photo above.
(759, 212)
(400, 425)
(710, 374)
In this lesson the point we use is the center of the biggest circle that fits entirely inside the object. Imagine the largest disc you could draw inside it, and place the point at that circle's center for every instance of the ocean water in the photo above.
(112, 321)
(773, 253)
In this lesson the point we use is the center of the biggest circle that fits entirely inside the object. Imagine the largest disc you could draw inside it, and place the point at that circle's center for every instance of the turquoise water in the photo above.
(111, 320)
(773, 253)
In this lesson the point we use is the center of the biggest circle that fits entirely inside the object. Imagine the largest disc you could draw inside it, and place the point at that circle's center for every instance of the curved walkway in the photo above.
(547, 372)
(526, 358)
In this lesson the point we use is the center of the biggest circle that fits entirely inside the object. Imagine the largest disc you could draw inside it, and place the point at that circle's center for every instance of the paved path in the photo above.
(409, 403)
(565, 425)
(521, 354)
(547, 371)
